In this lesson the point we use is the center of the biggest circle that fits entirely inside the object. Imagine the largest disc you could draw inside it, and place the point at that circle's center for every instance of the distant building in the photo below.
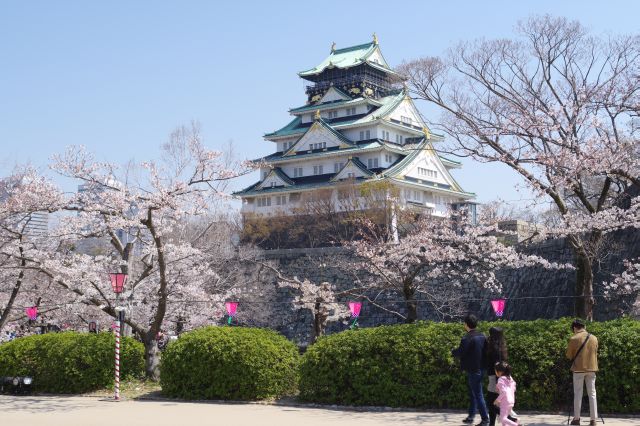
(37, 224)
(359, 125)
(102, 245)
(33, 224)
(517, 230)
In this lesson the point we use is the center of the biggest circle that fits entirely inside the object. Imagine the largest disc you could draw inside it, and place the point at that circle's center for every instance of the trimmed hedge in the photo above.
(70, 362)
(411, 365)
(230, 363)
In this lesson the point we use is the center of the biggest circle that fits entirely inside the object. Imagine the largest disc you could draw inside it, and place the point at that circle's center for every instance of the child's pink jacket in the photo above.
(506, 388)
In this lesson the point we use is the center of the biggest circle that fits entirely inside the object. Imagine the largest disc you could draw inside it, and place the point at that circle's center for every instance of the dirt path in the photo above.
(88, 411)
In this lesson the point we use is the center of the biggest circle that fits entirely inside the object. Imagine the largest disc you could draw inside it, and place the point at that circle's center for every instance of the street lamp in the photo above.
(118, 280)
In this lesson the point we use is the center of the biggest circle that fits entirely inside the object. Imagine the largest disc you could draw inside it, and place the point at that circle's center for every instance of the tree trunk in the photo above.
(584, 286)
(320, 316)
(4, 316)
(412, 306)
(151, 356)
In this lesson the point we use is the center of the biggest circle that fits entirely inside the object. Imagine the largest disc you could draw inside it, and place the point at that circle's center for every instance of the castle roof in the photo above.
(350, 57)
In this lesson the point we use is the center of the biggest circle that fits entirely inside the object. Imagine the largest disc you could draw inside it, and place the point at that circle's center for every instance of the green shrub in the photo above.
(70, 362)
(230, 363)
(412, 366)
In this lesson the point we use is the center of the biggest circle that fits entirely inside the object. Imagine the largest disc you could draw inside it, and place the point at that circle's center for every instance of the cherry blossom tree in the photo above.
(136, 222)
(320, 298)
(556, 106)
(23, 195)
(451, 249)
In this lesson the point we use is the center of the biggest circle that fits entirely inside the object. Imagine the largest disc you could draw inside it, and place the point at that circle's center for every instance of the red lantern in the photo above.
(118, 281)
(498, 306)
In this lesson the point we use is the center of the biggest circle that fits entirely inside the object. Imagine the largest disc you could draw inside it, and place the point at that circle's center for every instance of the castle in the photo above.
(359, 125)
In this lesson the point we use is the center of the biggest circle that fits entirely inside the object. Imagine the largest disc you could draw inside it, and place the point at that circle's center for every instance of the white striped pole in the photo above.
(117, 380)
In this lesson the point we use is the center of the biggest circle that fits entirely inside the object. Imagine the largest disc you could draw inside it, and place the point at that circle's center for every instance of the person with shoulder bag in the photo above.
(582, 350)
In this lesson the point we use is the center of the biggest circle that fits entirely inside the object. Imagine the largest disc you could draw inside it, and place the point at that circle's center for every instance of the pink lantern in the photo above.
(355, 307)
(32, 313)
(498, 306)
(118, 281)
(232, 307)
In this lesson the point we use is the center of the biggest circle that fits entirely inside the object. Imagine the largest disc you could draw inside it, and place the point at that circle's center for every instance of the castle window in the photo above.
(337, 167)
(281, 200)
(317, 170)
(388, 158)
(406, 120)
(319, 145)
(333, 114)
(297, 172)
(351, 111)
(351, 175)
(399, 139)
(428, 173)
(372, 163)
(264, 201)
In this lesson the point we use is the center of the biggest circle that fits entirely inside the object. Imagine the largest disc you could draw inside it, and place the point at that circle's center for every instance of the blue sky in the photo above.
(118, 76)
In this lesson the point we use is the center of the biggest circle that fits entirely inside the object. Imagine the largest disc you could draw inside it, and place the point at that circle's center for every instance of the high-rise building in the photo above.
(359, 125)
(30, 224)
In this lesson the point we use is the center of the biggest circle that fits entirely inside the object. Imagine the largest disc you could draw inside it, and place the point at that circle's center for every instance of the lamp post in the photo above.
(118, 281)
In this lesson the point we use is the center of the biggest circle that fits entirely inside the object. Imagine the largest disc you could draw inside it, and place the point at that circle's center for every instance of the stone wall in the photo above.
(531, 292)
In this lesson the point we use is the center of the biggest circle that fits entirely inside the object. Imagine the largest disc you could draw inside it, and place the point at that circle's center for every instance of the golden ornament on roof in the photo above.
(427, 133)
(375, 38)
(333, 47)
(317, 115)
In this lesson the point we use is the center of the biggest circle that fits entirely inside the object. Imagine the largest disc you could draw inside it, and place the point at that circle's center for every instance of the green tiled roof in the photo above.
(282, 175)
(324, 124)
(295, 188)
(359, 164)
(447, 160)
(292, 128)
(334, 104)
(389, 103)
(391, 171)
(347, 58)
(371, 146)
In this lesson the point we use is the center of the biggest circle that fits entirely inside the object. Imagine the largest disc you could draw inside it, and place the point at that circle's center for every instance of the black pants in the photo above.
(493, 410)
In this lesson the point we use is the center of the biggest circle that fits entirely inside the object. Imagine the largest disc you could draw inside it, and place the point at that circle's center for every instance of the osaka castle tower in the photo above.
(358, 125)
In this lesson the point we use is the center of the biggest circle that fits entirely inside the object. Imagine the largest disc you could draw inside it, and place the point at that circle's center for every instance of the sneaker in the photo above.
(483, 423)
(575, 422)
(592, 423)
(468, 420)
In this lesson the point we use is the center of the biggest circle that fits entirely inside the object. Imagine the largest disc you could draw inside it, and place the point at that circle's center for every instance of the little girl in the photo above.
(506, 388)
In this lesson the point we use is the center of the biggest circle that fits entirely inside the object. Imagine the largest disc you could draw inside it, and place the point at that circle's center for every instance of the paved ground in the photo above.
(86, 411)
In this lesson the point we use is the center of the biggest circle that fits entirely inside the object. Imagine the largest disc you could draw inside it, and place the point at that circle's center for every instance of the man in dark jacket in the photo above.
(472, 360)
